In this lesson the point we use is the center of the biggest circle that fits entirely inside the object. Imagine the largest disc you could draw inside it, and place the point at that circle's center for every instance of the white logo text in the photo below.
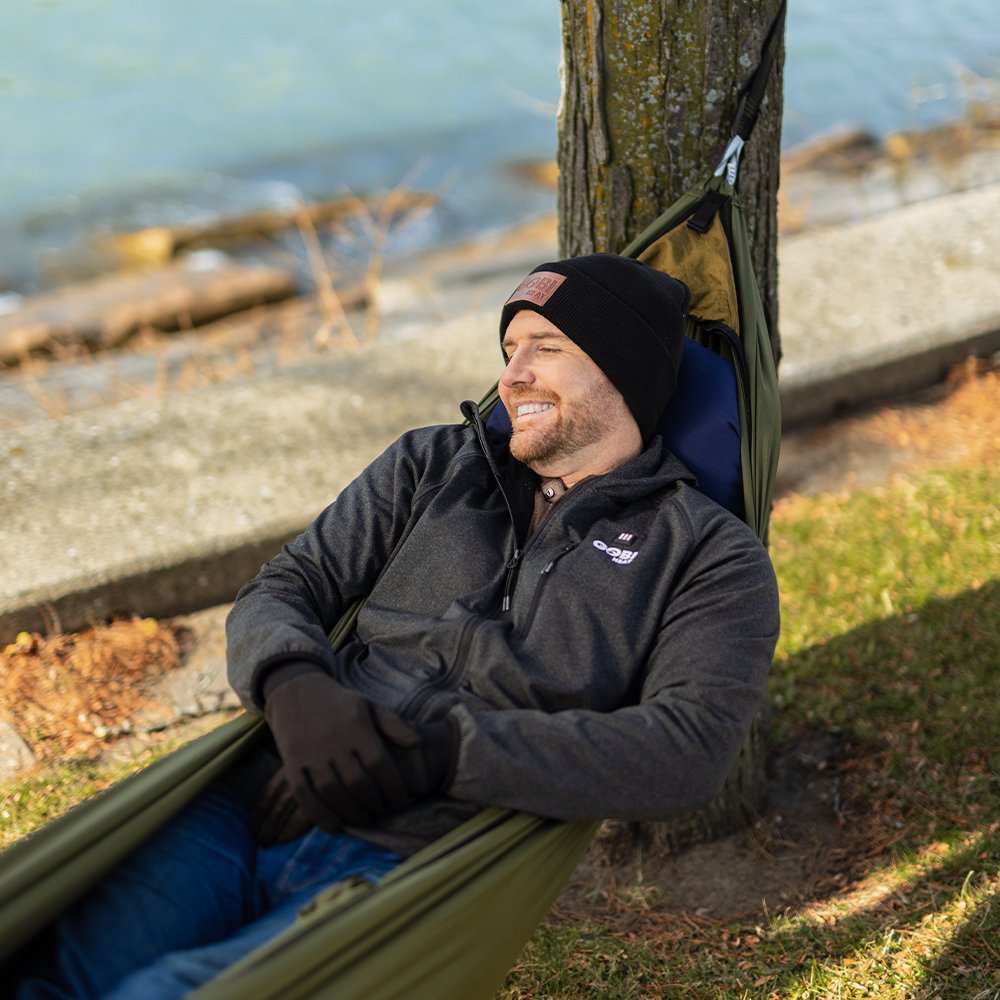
(621, 556)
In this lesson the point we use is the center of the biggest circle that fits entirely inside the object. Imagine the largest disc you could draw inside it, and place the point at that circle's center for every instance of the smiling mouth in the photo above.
(530, 409)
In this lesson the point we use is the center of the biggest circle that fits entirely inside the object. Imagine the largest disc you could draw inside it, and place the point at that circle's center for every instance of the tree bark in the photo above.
(649, 96)
(650, 90)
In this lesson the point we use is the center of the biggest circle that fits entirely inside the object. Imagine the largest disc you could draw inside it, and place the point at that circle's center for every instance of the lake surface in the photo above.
(121, 113)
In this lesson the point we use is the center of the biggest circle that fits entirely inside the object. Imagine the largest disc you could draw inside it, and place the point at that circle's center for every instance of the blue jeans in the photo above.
(196, 898)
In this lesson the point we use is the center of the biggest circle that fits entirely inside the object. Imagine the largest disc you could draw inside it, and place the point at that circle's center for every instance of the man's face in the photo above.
(562, 406)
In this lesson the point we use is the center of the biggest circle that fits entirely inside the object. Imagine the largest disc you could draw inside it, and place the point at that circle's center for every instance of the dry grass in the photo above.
(964, 428)
(68, 694)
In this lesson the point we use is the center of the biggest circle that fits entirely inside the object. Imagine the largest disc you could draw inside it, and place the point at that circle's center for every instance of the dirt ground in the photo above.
(813, 839)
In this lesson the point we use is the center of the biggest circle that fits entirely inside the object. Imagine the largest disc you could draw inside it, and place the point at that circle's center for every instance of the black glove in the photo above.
(426, 752)
(277, 816)
(347, 761)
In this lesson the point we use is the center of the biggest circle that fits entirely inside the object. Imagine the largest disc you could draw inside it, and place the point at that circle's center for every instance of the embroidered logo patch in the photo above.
(617, 554)
(537, 288)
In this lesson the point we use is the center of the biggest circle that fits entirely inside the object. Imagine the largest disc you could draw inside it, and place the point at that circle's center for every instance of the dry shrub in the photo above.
(68, 693)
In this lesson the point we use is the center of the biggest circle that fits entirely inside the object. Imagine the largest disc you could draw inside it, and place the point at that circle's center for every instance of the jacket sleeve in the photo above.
(706, 677)
(288, 609)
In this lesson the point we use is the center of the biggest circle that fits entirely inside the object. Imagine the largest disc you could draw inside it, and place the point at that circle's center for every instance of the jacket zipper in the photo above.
(471, 413)
(450, 678)
(536, 597)
(508, 587)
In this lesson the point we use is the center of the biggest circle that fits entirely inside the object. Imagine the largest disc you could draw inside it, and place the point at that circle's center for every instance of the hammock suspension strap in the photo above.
(751, 96)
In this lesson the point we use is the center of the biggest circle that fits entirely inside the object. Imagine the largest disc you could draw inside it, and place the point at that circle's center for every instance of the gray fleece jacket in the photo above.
(607, 666)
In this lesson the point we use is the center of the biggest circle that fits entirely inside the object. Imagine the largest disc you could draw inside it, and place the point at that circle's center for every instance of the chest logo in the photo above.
(615, 553)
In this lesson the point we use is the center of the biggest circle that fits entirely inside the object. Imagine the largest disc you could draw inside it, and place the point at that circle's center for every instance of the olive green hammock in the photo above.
(450, 920)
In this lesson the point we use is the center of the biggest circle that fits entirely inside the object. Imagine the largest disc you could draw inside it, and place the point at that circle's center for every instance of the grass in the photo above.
(29, 802)
(49, 791)
(891, 639)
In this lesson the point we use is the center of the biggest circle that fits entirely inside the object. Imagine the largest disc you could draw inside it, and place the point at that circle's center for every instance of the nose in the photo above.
(518, 370)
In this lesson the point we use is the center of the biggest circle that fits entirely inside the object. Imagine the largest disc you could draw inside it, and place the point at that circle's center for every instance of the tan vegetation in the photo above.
(70, 693)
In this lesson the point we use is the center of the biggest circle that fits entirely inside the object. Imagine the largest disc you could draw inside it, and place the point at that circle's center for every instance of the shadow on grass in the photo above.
(862, 935)
(969, 965)
(917, 690)
(909, 699)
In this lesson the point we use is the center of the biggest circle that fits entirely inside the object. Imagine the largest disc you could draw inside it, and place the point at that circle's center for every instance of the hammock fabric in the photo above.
(451, 919)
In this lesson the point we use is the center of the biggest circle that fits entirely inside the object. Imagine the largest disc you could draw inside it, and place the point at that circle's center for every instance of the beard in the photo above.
(576, 425)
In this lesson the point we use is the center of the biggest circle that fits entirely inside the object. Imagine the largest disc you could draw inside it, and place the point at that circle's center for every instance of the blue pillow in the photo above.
(701, 424)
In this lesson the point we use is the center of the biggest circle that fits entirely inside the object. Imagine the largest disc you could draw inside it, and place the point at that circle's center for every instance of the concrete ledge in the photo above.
(815, 395)
(161, 509)
(881, 307)
(200, 581)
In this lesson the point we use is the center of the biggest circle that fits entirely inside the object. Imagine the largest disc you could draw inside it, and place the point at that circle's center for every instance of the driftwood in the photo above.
(847, 147)
(103, 313)
(543, 173)
(161, 243)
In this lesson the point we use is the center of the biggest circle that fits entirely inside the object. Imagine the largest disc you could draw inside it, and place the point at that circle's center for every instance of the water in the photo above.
(122, 113)
(888, 65)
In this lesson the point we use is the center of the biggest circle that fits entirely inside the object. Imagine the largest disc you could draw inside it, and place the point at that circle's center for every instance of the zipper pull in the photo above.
(508, 583)
(555, 559)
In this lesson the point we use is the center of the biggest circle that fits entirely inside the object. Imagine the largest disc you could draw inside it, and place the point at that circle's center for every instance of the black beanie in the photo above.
(627, 316)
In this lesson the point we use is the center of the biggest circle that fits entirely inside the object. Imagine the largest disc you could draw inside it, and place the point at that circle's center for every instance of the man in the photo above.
(558, 622)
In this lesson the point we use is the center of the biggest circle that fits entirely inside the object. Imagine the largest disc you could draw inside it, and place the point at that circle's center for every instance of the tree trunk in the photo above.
(649, 96)
(650, 90)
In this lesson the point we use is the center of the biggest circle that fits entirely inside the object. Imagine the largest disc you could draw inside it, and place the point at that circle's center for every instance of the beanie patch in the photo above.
(537, 288)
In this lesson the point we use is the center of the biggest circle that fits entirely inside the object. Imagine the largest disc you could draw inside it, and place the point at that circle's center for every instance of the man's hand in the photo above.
(277, 817)
(346, 761)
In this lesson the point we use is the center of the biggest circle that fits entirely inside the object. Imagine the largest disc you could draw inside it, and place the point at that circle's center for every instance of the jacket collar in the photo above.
(652, 470)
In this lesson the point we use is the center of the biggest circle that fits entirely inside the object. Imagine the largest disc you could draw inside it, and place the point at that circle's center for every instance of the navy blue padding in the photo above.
(701, 425)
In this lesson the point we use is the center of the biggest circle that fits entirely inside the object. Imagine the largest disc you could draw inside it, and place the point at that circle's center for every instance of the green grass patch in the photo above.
(47, 792)
(891, 610)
